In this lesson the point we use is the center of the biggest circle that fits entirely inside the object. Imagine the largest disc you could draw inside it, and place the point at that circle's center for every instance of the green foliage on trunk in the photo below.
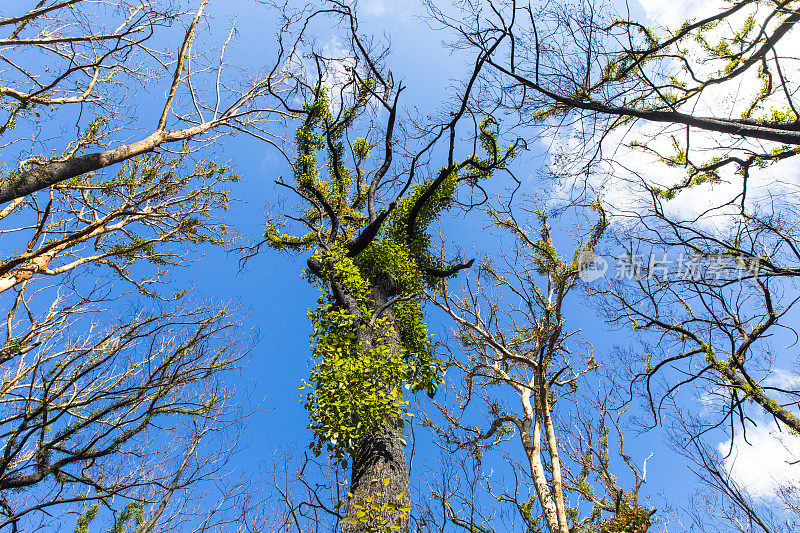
(367, 352)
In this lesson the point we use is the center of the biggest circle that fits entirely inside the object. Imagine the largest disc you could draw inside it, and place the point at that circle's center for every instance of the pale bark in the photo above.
(533, 449)
(555, 461)
(54, 172)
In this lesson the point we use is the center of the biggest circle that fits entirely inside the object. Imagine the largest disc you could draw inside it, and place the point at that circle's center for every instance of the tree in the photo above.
(713, 100)
(80, 58)
(86, 399)
(621, 69)
(512, 328)
(113, 395)
(365, 226)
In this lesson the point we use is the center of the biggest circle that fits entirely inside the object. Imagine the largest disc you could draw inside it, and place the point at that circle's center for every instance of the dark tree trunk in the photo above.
(379, 481)
(379, 458)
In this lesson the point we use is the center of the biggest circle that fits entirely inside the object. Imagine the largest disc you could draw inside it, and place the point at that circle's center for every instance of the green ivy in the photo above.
(350, 394)
(358, 389)
(357, 386)
(86, 517)
(629, 519)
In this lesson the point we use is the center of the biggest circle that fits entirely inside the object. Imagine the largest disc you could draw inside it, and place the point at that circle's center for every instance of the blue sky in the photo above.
(270, 289)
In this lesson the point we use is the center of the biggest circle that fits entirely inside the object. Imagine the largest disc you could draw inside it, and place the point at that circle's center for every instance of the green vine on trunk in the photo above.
(367, 352)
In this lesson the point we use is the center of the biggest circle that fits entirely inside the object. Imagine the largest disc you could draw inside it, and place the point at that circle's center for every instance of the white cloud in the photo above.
(393, 11)
(782, 379)
(620, 181)
(374, 8)
(763, 466)
(338, 70)
(672, 13)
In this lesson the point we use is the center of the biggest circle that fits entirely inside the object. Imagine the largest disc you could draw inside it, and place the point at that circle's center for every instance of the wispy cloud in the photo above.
(621, 179)
(672, 13)
(395, 10)
(766, 463)
(768, 460)
(375, 8)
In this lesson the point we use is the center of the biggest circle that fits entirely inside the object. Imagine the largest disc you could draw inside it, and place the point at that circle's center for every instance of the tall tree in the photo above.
(365, 225)
(522, 367)
(112, 392)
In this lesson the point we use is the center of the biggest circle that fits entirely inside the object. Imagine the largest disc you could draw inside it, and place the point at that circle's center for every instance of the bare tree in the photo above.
(511, 325)
(623, 74)
(584, 60)
(114, 406)
(91, 419)
(111, 412)
(80, 60)
(711, 100)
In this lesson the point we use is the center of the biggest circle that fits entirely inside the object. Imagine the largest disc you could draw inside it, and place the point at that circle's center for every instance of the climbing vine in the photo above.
(369, 340)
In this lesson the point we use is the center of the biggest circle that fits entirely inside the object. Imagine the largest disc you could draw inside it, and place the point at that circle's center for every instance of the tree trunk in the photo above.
(379, 475)
(533, 450)
(379, 483)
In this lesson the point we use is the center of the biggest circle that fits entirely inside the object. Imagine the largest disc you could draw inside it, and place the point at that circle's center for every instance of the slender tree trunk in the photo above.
(533, 449)
(379, 484)
(555, 462)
